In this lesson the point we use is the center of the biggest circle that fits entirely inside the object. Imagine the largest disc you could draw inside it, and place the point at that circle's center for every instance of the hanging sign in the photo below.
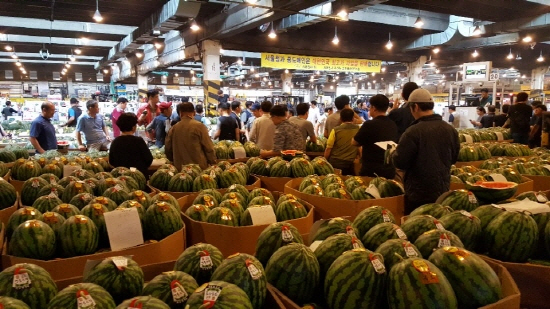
(285, 61)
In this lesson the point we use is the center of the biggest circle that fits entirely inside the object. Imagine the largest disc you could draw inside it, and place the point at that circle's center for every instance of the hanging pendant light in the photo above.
(540, 58)
(97, 16)
(272, 34)
(389, 45)
(335, 40)
(510, 55)
(419, 23)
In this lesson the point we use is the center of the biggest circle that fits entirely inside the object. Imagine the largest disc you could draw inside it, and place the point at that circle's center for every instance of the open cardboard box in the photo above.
(7, 176)
(252, 183)
(510, 292)
(168, 249)
(6, 213)
(231, 239)
(326, 207)
(540, 183)
(526, 185)
(533, 281)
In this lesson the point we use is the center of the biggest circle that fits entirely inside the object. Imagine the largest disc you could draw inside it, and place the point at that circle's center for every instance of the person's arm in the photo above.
(13, 110)
(207, 146)
(254, 132)
(330, 144)
(325, 134)
(237, 134)
(36, 145)
(106, 131)
(278, 145)
(405, 155)
(79, 141)
(142, 118)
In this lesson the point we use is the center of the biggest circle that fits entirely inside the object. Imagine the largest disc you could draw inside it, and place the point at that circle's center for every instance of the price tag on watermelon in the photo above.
(468, 138)
(84, 300)
(286, 235)
(255, 273)
(373, 190)
(120, 262)
(123, 228)
(315, 245)
(499, 135)
(438, 225)
(179, 295)
(409, 251)
(472, 198)
(211, 294)
(498, 177)
(355, 243)
(239, 152)
(466, 214)
(21, 280)
(205, 262)
(400, 233)
(378, 266)
(350, 231)
(133, 169)
(385, 216)
(52, 195)
(212, 174)
(262, 215)
(444, 241)
(541, 198)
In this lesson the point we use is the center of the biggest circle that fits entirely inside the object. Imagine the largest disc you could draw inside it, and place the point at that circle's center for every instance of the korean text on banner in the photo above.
(285, 61)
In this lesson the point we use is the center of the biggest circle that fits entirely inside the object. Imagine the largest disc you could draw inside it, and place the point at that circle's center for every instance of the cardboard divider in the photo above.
(167, 249)
(510, 292)
(7, 212)
(469, 163)
(531, 279)
(252, 183)
(526, 185)
(540, 183)
(17, 184)
(7, 176)
(327, 207)
(231, 239)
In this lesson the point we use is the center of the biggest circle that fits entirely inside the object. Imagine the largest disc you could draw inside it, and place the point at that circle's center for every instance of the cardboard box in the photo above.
(7, 176)
(234, 239)
(17, 184)
(252, 183)
(469, 163)
(326, 207)
(526, 185)
(510, 292)
(168, 249)
(540, 183)
(6, 213)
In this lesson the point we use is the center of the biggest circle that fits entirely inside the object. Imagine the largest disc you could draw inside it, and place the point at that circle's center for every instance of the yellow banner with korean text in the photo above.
(297, 62)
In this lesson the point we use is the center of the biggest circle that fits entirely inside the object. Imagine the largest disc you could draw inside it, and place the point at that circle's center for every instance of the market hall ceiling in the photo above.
(303, 27)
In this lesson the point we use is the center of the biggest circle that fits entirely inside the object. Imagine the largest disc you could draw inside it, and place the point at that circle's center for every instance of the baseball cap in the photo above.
(122, 100)
(256, 107)
(74, 101)
(165, 105)
(421, 96)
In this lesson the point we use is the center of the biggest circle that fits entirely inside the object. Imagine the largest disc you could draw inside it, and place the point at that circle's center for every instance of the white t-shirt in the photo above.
(313, 116)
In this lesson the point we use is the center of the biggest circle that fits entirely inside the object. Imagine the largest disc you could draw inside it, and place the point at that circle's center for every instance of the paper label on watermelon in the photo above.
(120, 262)
(438, 225)
(179, 295)
(118, 187)
(84, 300)
(385, 216)
(171, 173)
(239, 152)
(350, 231)
(400, 233)
(355, 243)
(498, 177)
(212, 174)
(255, 273)
(315, 245)
(286, 235)
(205, 261)
(211, 294)
(123, 228)
(133, 169)
(262, 215)
(373, 190)
(443, 241)
(52, 194)
(472, 198)
(378, 266)
(468, 138)
(541, 198)
(21, 281)
(499, 135)
(52, 181)
(409, 251)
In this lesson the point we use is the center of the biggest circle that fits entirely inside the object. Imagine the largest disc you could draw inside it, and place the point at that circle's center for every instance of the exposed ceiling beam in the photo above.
(309, 16)
(61, 25)
(48, 61)
(398, 16)
(36, 55)
(9, 38)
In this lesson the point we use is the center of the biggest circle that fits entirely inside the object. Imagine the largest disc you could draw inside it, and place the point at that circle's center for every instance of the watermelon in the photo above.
(50, 178)
(361, 193)
(353, 182)
(117, 194)
(180, 182)
(169, 167)
(30, 190)
(53, 169)
(78, 235)
(272, 161)
(356, 279)
(172, 287)
(69, 297)
(435, 210)
(207, 200)
(162, 220)
(122, 281)
(161, 179)
(464, 225)
(251, 149)
(53, 219)
(239, 189)
(431, 288)
(308, 181)
(66, 210)
(380, 233)
(134, 204)
(144, 302)
(228, 295)
(33, 239)
(417, 225)
(370, 217)
(26, 171)
(250, 161)
(141, 197)
(542, 220)
(37, 294)
(82, 199)
(12, 303)
(120, 171)
(197, 212)
(286, 197)
(321, 166)
(290, 210)
(223, 216)
(231, 176)
(235, 196)
(339, 194)
(474, 282)
(274, 237)
(103, 175)
(8, 194)
(129, 183)
(387, 187)
(54, 189)
(511, 236)
(82, 174)
(224, 165)
(7, 156)
(313, 190)
(334, 186)
(259, 167)
(486, 214)
(21, 215)
(200, 261)
(75, 188)
(235, 206)
(259, 192)
(262, 200)
(301, 167)
(280, 169)
(93, 167)
(331, 179)
(94, 185)
(167, 198)
(213, 192)
(138, 176)
(3, 169)
(65, 181)
(294, 270)
(107, 202)
(204, 182)
(538, 197)
(430, 241)
(246, 272)
(331, 248)
(394, 250)
(491, 191)
(334, 226)
(95, 213)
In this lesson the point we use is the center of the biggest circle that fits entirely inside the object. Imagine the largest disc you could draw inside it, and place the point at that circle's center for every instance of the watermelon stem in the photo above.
(399, 256)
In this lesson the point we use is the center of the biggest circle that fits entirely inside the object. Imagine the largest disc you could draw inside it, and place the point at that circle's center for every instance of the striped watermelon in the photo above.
(119, 171)
(542, 220)
(69, 297)
(181, 182)
(161, 179)
(308, 181)
(370, 217)
(7, 156)
(78, 235)
(223, 216)
(331, 248)
(231, 176)
(107, 202)
(334, 186)
(224, 165)
(394, 250)
(294, 270)
(93, 167)
(435, 210)
(227, 296)
(162, 220)
(380, 233)
(207, 200)
(141, 197)
(313, 190)
(239, 189)
(263, 200)
(339, 194)
(129, 182)
(75, 188)
(144, 302)
(137, 176)
(460, 200)
(431, 288)
(117, 194)
(354, 182)
(286, 197)
(331, 179)
(335, 226)
(103, 175)
(272, 161)
(12, 303)
(8, 194)
(486, 214)
(30, 190)
(259, 167)
(432, 240)
(33, 239)
(65, 181)
(66, 210)
(474, 282)
(253, 159)
(172, 287)
(235, 206)
(301, 167)
(193, 170)
(134, 204)
(50, 178)
(197, 212)
(290, 210)
(95, 213)
(21, 215)
(259, 192)
(274, 237)
(235, 196)
(356, 279)
(3, 169)
(464, 225)
(251, 149)
(53, 219)
(37, 294)
(82, 199)
(122, 281)
(82, 174)
(321, 166)
(215, 193)
(417, 225)
(167, 198)
(511, 237)
(203, 182)
(246, 272)
(361, 193)
(280, 169)
(200, 261)
(54, 189)
(26, 171)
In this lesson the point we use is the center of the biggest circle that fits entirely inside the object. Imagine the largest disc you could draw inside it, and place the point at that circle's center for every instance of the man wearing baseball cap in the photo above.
(161, 124)
(426, 151)
(74, 113)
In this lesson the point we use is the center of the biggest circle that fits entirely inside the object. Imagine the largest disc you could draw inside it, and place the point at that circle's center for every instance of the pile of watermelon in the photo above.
(233, 208)
(536, 165)
(485, 134)
(473, 174)
(353, 188)
(224, 149)
(484, 151)
(299, 166)
(319, 146)
(192, 178)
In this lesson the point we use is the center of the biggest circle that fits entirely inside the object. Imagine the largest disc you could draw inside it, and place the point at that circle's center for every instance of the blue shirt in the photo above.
(159, 124)
(92, 128)
(42, 129)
